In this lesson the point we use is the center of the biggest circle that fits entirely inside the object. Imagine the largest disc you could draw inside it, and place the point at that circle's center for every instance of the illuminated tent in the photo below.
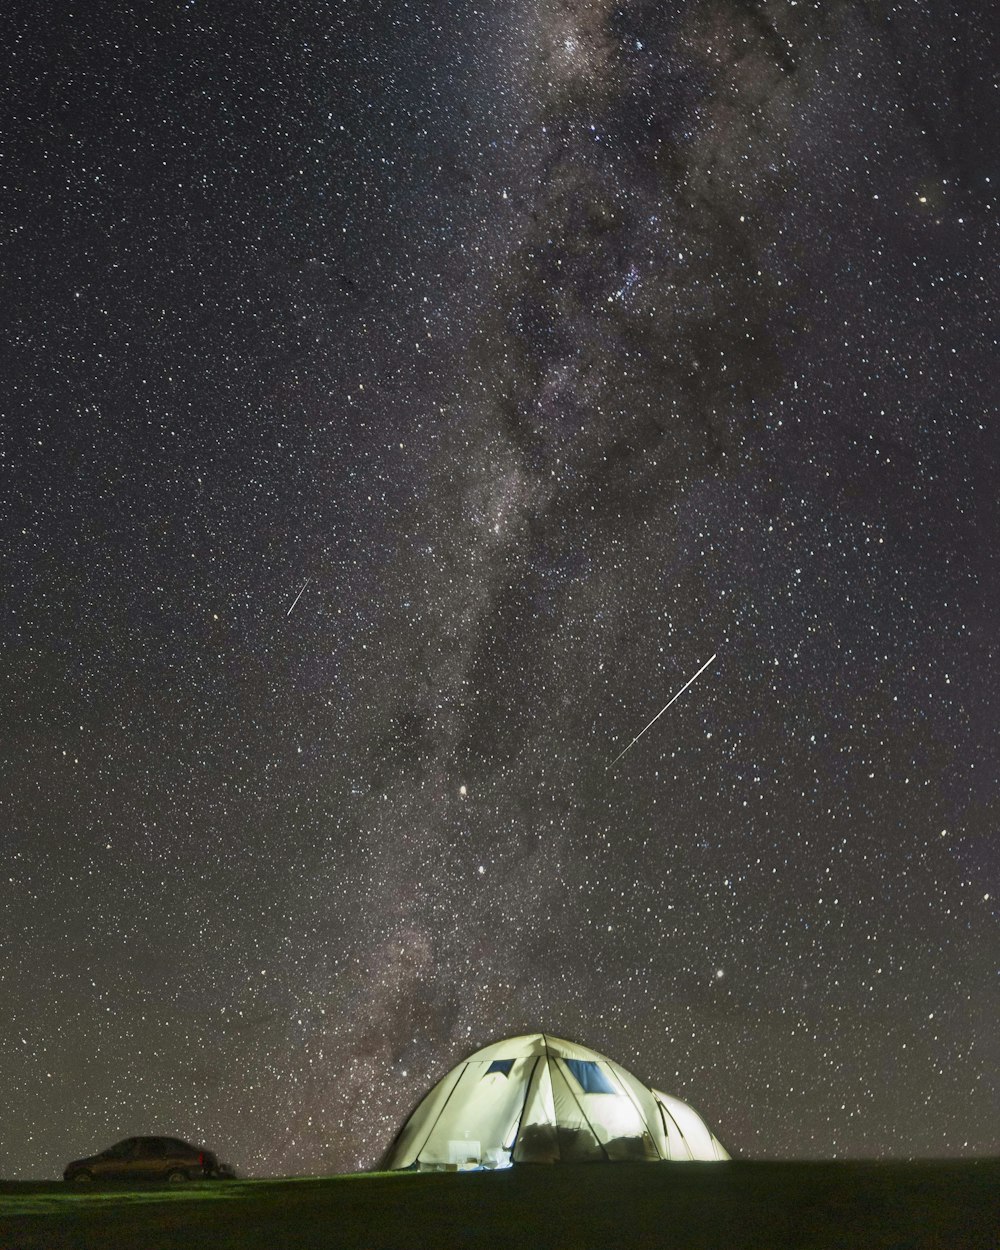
(688, 1136)
(539, 1099)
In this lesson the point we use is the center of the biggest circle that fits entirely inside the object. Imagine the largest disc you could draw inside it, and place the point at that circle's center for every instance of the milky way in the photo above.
(532, 356)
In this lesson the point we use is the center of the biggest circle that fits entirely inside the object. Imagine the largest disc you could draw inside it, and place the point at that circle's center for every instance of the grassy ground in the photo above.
(735, 1206)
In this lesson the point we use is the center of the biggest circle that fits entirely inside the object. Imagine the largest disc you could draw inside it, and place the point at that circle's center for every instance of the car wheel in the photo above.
(83, 1177)
(177, 1177)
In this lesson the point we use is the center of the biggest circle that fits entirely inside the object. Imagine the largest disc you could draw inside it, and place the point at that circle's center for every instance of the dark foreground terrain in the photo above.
(946, 1205)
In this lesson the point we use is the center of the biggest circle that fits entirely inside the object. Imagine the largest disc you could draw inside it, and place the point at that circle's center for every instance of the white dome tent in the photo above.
(539, 1099)
(688, 1136)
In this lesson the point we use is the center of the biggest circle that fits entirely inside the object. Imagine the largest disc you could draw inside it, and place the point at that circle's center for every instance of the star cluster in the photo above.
(400, 405)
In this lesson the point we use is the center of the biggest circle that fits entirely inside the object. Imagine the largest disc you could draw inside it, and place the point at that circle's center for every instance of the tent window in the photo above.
(500, 1065)
(592, 1080)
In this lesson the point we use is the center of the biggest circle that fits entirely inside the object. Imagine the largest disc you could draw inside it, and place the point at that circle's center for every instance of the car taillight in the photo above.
(201, 1160)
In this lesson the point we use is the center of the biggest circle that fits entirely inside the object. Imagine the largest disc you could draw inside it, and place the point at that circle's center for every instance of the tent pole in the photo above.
(416, 1157)
(586, 1118)
(628, 1094)
(663, 1116)
(524, 1107)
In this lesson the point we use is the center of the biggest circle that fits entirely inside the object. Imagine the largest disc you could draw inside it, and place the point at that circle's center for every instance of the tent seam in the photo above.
(586, 1118)
(673, 1120)
(643, 1118)
(524, 1106)
(416, 1157)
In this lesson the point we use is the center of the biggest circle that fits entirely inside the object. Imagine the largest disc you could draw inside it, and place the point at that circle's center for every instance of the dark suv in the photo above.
(149, 1159)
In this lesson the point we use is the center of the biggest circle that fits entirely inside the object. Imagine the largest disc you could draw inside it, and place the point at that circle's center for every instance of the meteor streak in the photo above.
(302, 592)
(663, 709)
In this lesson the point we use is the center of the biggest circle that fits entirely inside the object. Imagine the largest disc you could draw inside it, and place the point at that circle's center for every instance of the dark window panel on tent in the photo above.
(500, 1065)
(590, 1077)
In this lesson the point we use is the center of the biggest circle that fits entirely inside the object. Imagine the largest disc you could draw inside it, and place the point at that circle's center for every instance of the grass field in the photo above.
(767, 1206)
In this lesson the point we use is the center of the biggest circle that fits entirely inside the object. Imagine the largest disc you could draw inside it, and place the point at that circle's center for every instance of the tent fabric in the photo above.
(540, 1099)
(688, 1134)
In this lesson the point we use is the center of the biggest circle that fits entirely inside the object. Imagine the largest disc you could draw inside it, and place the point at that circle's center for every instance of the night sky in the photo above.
(548, 347)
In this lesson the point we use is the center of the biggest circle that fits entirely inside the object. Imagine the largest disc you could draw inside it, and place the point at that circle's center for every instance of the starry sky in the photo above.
(401, 401)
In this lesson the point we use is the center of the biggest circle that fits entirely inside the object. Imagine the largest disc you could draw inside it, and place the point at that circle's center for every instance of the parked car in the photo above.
(149, 1159)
